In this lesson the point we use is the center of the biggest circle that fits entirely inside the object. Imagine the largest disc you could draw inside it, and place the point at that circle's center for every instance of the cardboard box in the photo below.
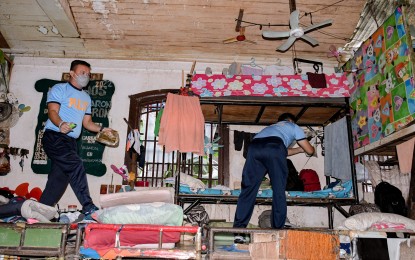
(295, 244)
(264, 250)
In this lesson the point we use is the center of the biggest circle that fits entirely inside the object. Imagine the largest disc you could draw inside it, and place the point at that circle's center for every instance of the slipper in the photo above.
(119, 171)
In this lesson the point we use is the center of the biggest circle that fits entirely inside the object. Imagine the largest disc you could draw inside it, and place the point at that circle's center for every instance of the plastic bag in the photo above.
(110, 138)
(361, 172)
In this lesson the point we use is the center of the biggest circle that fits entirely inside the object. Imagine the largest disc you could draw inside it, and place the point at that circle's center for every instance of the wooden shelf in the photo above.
(387, 145)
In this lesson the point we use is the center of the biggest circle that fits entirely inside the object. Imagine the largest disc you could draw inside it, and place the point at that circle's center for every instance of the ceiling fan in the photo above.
(239, 38)
(296, 32)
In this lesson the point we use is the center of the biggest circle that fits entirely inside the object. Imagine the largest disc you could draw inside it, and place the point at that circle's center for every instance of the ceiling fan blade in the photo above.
(294, 18)
(271, 34)
(318, 25)
(230, 40)
(287, 44)
(310, 40)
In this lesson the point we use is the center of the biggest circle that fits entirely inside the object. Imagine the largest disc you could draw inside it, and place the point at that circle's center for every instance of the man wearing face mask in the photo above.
(69, 109)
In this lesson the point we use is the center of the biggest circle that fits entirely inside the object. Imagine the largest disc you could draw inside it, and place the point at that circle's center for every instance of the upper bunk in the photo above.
(258, 100)
(244, 106)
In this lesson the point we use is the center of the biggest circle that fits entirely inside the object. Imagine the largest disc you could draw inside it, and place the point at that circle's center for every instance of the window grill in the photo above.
(155, 164)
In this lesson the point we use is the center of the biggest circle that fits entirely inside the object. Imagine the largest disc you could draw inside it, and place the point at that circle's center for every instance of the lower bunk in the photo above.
(110, 241)
(340, 194)
(98, 241)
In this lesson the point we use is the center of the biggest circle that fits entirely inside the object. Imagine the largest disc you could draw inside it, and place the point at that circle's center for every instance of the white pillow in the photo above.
(364, 221)
(191, 181)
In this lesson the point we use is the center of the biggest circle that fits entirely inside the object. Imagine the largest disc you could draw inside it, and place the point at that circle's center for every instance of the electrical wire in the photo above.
(260, 24)
(327, 6)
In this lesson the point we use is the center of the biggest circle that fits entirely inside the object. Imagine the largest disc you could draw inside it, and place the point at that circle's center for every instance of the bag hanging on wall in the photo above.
(317, 80)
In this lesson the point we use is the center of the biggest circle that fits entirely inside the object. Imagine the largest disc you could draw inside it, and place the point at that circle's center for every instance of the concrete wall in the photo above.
(129, 77)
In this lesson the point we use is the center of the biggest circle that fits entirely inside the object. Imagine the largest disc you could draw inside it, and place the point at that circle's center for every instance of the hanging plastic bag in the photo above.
(110, 138)
(362, 173)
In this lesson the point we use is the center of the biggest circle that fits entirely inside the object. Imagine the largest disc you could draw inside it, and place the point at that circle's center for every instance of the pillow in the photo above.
(156, 213)
(364, 221)
(186, 179)
(191, 181)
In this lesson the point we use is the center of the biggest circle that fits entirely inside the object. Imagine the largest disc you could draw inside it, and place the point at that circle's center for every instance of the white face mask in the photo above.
(82, 80)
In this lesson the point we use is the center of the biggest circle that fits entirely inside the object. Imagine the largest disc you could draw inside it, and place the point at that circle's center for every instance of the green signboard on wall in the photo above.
(101, 92)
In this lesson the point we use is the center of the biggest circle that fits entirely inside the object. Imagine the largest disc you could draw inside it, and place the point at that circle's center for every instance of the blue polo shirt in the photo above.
(285, 130)
(74, 104)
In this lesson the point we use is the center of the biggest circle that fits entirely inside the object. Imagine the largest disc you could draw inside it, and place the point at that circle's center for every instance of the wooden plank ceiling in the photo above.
(179, 30)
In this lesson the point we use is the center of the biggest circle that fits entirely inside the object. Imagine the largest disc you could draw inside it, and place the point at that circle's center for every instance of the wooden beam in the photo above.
(293, 6)
(60, 15)
(239, 21)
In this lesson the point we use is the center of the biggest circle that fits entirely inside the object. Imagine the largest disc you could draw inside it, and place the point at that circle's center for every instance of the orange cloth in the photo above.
(182, 125)
(405, 153)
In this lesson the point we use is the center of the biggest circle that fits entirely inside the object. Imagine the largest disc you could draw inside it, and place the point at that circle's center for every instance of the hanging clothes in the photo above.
(182, 125)
(133, 140)
(337, 156)
(158, 120)
(405, 153)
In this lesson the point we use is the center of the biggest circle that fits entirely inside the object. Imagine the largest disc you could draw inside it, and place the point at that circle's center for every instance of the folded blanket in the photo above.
(39, 211)
(156, 213)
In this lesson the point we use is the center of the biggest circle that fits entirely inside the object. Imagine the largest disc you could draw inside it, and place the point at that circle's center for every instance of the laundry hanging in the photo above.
(182, 125)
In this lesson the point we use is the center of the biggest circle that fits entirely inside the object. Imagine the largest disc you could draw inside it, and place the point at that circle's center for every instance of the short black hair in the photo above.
(285, 116)
(79, 62)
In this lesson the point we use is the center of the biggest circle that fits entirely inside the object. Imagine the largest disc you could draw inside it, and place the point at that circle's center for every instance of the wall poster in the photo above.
(382, 96)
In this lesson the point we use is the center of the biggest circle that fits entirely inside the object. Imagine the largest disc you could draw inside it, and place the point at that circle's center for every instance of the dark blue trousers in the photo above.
(265, 155)
(66, 168)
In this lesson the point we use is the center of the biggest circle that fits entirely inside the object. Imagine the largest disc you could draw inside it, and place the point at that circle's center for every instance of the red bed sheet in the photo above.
(103, 236)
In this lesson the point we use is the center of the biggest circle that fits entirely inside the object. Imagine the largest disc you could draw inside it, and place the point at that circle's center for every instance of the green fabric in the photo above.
(157, 124)
(156, 213)
(226, 236)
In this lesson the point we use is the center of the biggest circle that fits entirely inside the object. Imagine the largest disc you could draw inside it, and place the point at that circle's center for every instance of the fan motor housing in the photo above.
(297, 32)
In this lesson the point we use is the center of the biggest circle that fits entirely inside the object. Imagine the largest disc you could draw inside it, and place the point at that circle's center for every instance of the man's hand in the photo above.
(296, 150)
(66, 127)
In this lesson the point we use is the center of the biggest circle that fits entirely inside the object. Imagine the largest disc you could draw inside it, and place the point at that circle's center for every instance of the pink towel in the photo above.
(182, 125)
(405, 153)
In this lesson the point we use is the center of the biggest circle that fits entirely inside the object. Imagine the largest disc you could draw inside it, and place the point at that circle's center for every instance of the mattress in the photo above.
(99, 239)
(343, 190)
(143, 195)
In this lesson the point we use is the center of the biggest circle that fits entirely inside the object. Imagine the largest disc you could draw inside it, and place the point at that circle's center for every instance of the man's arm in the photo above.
(306, 146)
(89, 124)
(296, 150)
(53, 114)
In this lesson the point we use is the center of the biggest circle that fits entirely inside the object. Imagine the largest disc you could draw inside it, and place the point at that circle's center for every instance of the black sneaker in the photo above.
(240, 239)
(87, 214)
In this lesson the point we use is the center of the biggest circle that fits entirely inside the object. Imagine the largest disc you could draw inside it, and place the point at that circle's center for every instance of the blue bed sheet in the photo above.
(342, 190)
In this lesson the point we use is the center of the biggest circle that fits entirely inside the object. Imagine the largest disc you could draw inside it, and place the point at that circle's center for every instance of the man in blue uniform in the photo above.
(69, 109)
(268, 153)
